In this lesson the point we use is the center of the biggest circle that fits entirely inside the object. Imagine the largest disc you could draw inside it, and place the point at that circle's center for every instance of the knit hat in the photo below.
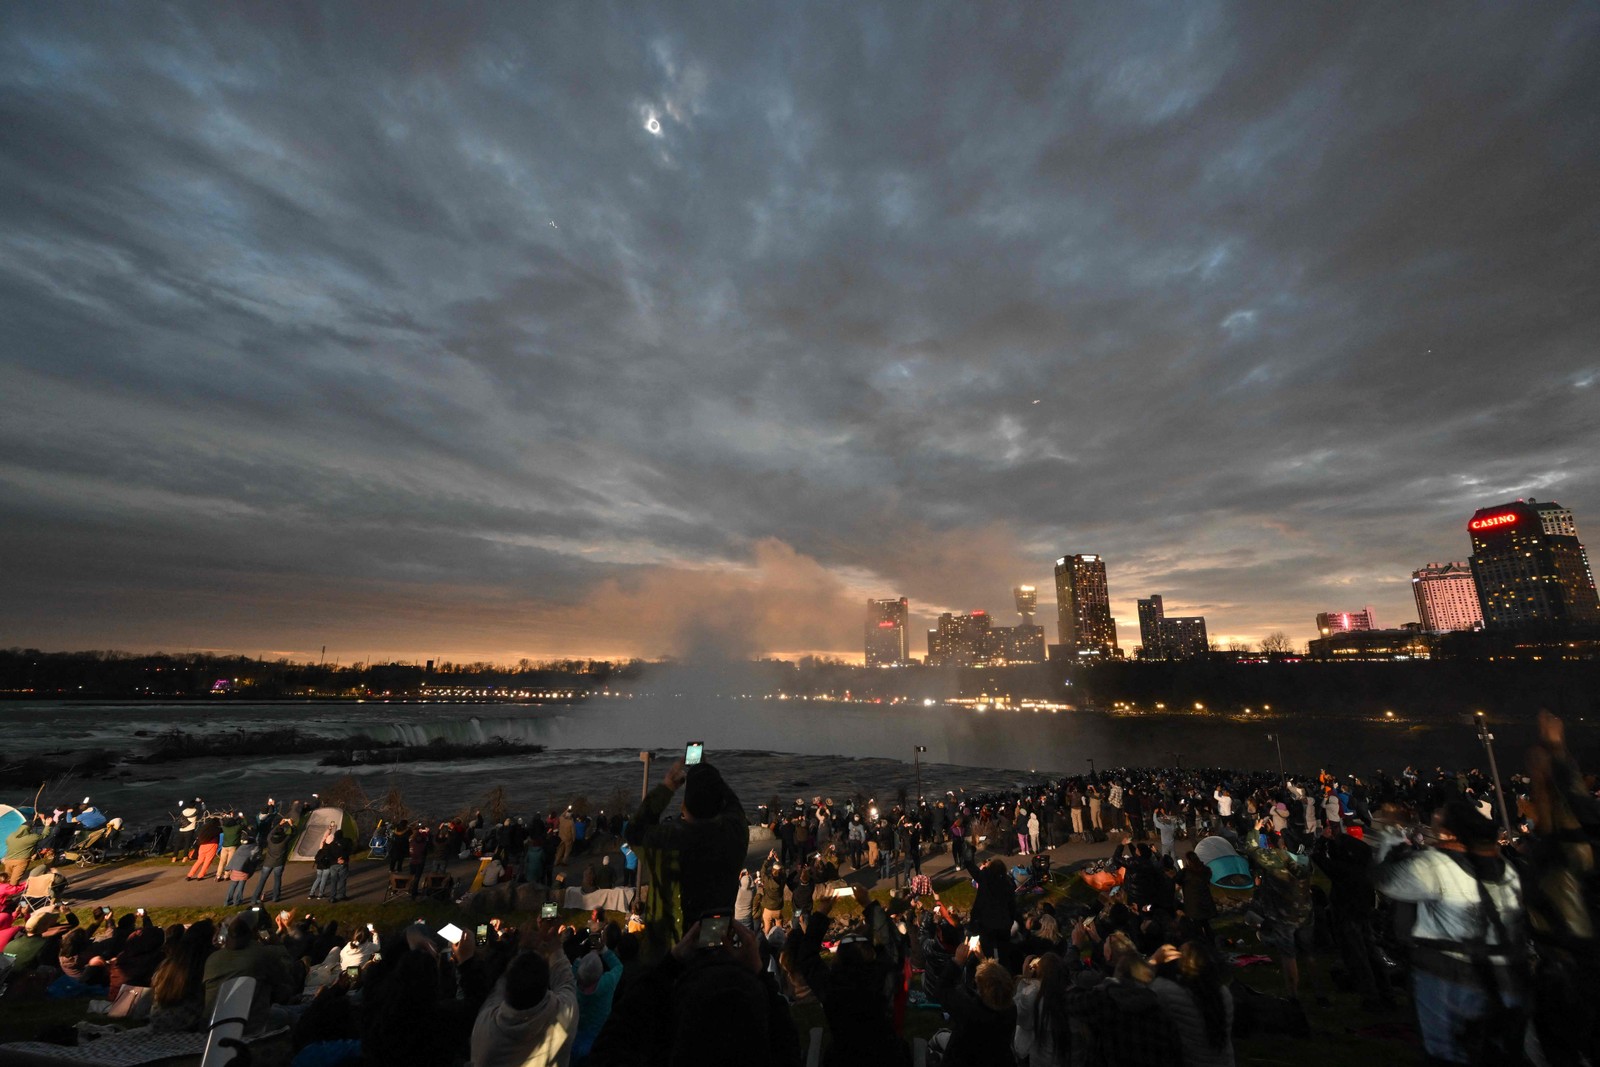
(589, 971)
(702, 791)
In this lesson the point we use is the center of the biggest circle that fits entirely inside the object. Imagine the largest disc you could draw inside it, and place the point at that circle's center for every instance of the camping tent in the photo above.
(1227, 867)
(11, 818)
(316, 826)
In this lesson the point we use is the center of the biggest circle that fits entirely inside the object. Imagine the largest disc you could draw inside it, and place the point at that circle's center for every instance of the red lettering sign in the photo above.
(1490, 521)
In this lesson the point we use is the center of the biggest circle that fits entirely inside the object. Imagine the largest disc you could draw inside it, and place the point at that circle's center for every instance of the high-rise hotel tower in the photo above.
(1526, 574)
(1447, 597)
(886, 634)
(1083, 607)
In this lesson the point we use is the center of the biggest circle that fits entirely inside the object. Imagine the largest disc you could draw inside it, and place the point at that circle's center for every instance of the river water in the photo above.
(764, 747)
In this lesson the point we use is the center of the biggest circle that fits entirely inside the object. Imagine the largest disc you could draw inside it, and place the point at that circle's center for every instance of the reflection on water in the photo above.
(764, 747)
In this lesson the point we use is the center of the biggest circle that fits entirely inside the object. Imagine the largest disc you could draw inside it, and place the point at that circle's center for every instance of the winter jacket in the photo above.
(980, 1036)
(993, 908)
(856, 999)
(744, 899)
(1183, 1012)
(1198, 903)
(538, 1036)
(275, 851)
(1453, 929)
(23, 840)
(772, 886)
(694, 865)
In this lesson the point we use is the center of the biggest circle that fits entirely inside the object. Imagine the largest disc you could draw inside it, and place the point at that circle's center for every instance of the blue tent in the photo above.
(11, 818)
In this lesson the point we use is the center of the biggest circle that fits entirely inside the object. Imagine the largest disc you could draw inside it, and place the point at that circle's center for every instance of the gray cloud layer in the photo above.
(521, 330)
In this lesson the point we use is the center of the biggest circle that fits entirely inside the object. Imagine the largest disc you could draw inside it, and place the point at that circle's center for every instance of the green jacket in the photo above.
(1285, 889)
(23, 840)
(694, 866)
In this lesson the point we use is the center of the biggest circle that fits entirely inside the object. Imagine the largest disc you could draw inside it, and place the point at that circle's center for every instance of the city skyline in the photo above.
(618, 330)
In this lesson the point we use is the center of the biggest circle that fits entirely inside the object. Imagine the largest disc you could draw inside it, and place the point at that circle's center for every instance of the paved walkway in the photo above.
(162, 884)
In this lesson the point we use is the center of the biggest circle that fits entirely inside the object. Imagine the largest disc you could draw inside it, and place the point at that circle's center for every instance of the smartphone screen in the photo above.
(713, 928)
(844, 891)
(972, 942)
(549, 911)
(693, 752)
(451, 932)
(483, 932)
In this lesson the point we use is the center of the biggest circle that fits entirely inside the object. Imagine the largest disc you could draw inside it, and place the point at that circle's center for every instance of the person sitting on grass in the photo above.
(854, 988)
(710, 1006)
(983, 1015)
(178, 992)
(244, 955)
(530, 1018)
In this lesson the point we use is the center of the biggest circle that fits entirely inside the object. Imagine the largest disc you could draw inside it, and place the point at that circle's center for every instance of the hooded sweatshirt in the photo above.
(530, 1037)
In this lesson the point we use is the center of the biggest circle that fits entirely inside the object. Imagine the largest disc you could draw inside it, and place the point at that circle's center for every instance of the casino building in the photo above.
(886, 635)
(1526, 574)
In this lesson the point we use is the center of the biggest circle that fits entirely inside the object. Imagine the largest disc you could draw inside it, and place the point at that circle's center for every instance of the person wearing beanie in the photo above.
(693, 862)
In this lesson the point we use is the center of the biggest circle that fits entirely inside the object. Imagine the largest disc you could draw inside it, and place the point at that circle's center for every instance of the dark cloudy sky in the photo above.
(523, 329)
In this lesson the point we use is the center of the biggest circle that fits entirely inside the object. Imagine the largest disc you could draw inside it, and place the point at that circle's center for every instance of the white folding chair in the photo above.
(228, 1020)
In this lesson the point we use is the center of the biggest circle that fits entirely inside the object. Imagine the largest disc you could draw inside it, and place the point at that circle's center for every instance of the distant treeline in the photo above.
(1502, 674)
(121, 675)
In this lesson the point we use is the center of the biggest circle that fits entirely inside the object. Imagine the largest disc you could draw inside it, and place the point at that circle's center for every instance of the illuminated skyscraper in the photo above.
(1343, 622)
(1447, 597)
(1083, 607)
(960, 640)
(1151, 613)
(1180, 637)
(1558, 520)
(886, 634)
(1527, 575)
(1027, 598)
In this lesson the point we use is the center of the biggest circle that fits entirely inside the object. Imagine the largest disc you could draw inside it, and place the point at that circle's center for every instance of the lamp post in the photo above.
(644, 790)
(1278, 743)
(1091, 766)
(1487, 740)
(916, 757)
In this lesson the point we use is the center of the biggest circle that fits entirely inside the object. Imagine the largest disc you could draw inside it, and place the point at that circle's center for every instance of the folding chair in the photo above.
(40, 891)
(399, 886)
(224, 1038)
(436, 884)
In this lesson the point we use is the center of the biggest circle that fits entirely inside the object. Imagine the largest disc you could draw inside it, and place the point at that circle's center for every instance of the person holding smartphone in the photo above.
(693, 862)
(531, 1014)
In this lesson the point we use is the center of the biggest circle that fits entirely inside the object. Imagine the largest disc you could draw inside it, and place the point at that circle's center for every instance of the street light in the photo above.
(916, 758)
(1278, 743)
(1487, 739)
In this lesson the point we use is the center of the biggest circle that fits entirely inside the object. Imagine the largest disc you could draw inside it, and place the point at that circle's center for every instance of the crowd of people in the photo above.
(1479, 910)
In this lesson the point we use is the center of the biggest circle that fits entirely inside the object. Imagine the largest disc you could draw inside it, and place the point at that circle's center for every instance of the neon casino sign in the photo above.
(1489, 522)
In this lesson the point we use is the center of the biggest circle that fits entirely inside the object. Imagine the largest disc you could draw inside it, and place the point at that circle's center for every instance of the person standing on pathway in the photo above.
(274, 857)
